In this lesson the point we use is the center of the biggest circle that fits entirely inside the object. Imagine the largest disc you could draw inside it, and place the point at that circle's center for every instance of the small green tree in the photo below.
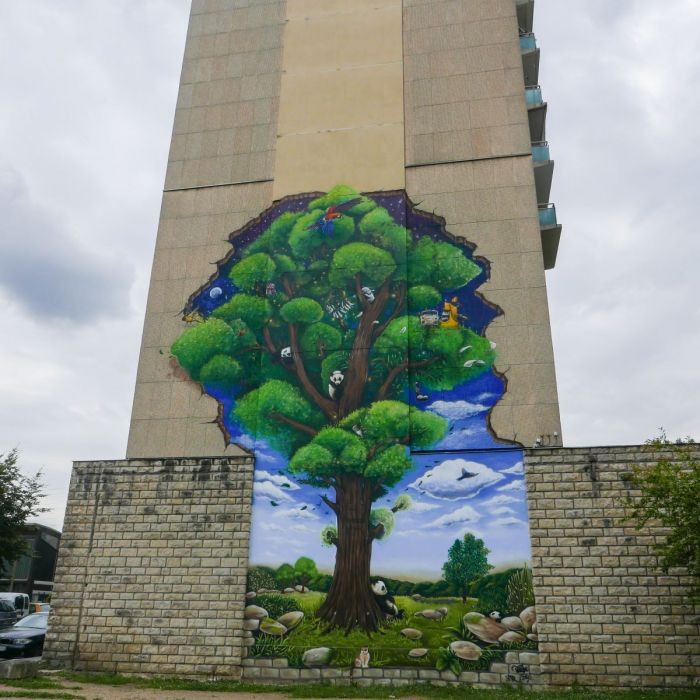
(19, 499)
(304, 570)
(285, 576)
(670, 490)
(467, 559)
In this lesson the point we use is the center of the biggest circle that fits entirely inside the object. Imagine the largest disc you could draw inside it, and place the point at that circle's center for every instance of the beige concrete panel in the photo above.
(344, 39)
(360, 96)
(368, 158)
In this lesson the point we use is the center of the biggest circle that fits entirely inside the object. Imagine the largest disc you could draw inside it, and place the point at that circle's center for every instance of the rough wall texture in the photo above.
(151, 572)
(607, 616)
(151, 577)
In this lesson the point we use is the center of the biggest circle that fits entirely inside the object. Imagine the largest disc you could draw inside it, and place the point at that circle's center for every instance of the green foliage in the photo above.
(304, 570)
(285, 576)
(301, 310)
(320, 339)
(440, 265)
(199, 343)
(329, 536)
(260, 577)
(332, 451)
(492, 592)
(372, 263)
(668, 495)
(448, 661)
(521, 592)
(385, 518)
(467, 560)
(274, 239)
(402, 502)
(253, 272)
(222, 372)
(253, 311)
(276, 604)
(423, 296)
(19, 500)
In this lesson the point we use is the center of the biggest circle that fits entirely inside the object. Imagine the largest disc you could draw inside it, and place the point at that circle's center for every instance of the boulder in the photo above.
(511, 636)
(529, 617)
(250, 595)
(411, 633)
(417, 653)
(289, 590)
(301, 589)
(254, 612)
(272, 627)
(485, 628)
(319, 656)
(251, 625)
(466, 650)
(291, 619)
(430, 614)
(533, 637)
(512, 623)
(417, 597)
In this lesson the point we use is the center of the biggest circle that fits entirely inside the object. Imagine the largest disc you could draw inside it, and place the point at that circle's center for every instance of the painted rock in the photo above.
(534, 626)
(529, 617)
(512, 623)
(417, 653)
(466, 650)
(254, 612)
(272, 627)
(485, 628)
(533, 637)
(251, 625)
(291, 619)
(417, 596)
(250, 595)
(444, 611)
(430, 614)
(300, 589)
(411, 633)
(289, 590)
(511, 636)
(319, 656)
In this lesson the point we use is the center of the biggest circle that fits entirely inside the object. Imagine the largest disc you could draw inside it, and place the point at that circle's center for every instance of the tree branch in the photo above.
(358, 291)
(330, 504)
(326, 405)
(384, 388)
(281, 418)
(376, 532)
(287, 285)
(268, 340)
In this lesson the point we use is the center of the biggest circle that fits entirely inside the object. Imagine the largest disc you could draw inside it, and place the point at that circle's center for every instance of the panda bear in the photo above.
(286, 355)
(386, 602)
(335, 388)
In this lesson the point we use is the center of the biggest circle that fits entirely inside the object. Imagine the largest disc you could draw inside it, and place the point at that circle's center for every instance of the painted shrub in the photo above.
(343, 338)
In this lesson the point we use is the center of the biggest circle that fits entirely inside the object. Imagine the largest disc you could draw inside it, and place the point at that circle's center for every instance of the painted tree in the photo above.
(467, 560)
(304, 570)
(338, 289)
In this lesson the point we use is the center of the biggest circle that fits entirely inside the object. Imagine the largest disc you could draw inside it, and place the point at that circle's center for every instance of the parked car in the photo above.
(8, 616)
(20, 602)
(24, 638)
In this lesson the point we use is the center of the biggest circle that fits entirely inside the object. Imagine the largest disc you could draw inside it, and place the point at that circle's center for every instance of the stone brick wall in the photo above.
(152, 568)
(607, 615)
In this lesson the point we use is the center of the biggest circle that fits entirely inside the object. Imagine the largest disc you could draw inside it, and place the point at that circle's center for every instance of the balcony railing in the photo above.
(528, 42)
(540, 152)
(548, 216)
(533, 96)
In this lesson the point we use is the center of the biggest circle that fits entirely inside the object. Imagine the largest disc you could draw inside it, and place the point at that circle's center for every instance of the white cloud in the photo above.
(446, 481)
(420, 507)
(457, 410)
(518, 485)
(266, 489)
(518, 468)
(508, 522)
(502, 510)
(277, 479)
(500, 500)
(297, 512)
(465, 514)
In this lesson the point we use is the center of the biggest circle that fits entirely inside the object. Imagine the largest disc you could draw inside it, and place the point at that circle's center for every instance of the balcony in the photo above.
(550, 232)
(536, 113)
(544, 170)
(526, 12)
(531, 58)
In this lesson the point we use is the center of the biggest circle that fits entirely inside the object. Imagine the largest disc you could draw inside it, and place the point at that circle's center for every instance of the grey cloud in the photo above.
(48, 272)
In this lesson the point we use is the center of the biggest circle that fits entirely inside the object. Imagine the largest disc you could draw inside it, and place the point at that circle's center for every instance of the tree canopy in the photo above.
(467, 560)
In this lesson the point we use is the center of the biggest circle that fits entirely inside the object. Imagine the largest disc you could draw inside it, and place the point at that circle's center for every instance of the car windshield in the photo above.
(6, 607)
(37, 620)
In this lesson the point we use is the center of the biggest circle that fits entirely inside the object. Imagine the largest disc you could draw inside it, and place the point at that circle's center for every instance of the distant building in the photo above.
(33, 573)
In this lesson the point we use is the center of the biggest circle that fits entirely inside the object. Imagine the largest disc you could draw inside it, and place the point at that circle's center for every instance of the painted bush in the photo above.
(343, 337)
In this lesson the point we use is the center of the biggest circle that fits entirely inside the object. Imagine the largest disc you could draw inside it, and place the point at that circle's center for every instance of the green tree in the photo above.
(313, 302)
(669, 490)
(285, 576)
(304, 570)
(467, 560)
(19, 499)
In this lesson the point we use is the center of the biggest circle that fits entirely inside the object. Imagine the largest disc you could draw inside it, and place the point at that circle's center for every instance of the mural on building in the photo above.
(343, 337)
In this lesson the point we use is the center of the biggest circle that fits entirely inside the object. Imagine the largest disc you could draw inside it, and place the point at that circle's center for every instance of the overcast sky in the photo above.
(89, 89)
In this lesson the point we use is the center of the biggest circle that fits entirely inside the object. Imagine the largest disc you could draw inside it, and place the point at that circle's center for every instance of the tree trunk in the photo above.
(350, 602)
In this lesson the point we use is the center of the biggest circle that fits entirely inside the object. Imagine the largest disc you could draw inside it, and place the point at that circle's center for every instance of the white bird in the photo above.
(481, 363)
(403, 330)
(493, 345)
(465, 348)
(470, 363)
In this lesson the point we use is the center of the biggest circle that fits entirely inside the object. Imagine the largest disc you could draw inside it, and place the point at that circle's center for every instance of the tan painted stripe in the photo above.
(341, 103)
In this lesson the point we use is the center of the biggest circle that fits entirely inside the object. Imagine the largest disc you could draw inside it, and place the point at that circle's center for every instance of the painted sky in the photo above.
(89, 89)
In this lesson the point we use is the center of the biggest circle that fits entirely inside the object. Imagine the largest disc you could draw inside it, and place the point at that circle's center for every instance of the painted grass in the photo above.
(39, 695)
(37, 683)
(387, 646)
(324, 690)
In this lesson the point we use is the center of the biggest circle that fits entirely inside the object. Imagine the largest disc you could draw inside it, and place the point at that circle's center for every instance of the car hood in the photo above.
(11, 633)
